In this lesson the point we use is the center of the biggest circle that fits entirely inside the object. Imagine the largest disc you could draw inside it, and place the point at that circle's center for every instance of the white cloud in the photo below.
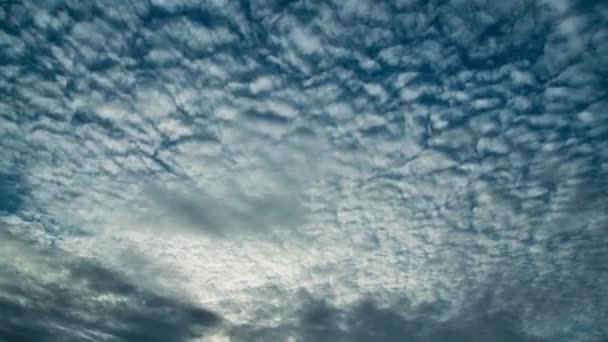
(262, 84)
(306, 41)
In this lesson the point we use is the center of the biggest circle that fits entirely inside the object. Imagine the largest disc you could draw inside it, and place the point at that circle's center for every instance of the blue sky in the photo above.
(303, 170)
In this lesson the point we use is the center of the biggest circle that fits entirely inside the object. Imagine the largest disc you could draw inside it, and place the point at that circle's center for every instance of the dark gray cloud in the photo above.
(361, 150)
(52, 296)
(317, 320)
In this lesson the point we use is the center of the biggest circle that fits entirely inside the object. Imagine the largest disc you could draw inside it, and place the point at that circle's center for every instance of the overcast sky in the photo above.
(276, 170)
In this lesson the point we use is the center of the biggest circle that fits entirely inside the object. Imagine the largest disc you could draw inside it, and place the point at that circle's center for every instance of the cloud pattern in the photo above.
(304, 171)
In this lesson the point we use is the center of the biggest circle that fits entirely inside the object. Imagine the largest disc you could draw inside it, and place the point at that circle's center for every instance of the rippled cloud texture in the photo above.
(303, 171)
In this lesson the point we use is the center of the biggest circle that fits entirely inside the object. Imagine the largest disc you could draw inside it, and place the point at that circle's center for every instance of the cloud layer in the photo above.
(346, 170)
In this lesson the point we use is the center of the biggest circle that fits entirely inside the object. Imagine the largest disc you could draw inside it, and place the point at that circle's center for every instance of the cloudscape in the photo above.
(303, 171)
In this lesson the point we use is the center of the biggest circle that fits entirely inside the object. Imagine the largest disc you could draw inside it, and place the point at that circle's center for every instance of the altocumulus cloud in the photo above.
(303, 171)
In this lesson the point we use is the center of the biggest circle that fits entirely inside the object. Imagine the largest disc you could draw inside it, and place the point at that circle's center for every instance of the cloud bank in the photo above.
(52, 296)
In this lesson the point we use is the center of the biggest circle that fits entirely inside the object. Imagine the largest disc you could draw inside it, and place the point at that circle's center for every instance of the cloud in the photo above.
(46, 294)
(305, 41)
(359, 151)
(317, 320)
(230, 212)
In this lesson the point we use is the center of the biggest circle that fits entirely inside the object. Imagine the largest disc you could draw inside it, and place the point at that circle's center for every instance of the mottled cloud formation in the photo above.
(232, 155)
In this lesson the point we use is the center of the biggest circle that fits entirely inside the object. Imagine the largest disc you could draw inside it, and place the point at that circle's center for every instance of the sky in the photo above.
(303, 171)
